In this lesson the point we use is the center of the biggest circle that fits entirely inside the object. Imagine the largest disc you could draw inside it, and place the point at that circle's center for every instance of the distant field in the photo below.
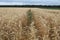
(53, 8)
(44, 24)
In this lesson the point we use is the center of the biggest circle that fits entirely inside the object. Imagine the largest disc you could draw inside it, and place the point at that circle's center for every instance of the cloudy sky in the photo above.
(29, 2)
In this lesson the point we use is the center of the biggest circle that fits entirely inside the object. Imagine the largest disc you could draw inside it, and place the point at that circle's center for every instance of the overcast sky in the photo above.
(29, 2)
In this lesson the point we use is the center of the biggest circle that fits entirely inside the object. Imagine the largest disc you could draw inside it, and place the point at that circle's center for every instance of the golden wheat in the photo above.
(44, 24)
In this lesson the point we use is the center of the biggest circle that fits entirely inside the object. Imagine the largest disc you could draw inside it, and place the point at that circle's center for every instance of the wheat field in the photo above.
(29, 24)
